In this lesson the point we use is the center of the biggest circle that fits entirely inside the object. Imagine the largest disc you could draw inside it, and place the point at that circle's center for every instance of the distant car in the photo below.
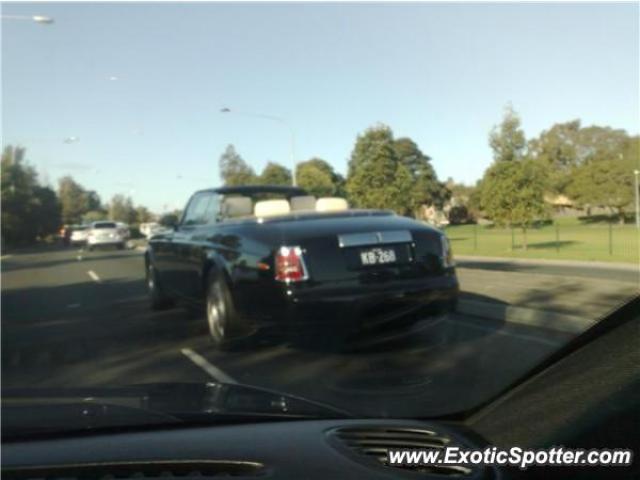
(105, 234)
(79, 235)
(297, 263)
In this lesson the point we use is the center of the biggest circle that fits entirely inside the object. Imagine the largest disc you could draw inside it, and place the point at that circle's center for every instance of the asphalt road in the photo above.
(72, 318)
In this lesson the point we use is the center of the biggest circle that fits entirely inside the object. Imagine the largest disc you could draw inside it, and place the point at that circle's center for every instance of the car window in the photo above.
(196, 213)
(212, 212)
(104, 225)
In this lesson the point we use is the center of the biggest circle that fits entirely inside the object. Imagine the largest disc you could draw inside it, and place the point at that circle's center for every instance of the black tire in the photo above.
(121, 246)
(89, 248)
(159, 299)
(225, 325)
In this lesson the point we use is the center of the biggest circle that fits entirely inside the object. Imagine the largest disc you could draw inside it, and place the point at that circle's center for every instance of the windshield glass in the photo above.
(104, 225)
(395, 210)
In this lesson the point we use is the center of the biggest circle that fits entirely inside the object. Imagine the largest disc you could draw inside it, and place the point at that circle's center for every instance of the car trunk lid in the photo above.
(368, 246)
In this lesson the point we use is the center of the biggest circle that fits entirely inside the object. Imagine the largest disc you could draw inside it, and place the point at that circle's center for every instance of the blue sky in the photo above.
(439, 73)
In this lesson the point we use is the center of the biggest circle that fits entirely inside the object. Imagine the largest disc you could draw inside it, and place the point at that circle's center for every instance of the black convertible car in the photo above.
(276, 258)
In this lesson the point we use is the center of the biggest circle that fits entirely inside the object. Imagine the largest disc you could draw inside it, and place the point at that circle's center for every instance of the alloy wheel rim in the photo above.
(215, 312)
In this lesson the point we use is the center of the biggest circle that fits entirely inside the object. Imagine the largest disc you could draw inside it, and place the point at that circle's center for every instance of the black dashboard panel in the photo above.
(298, 449)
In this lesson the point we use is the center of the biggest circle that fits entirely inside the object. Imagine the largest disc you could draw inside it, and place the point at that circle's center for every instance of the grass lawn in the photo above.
(568, 238)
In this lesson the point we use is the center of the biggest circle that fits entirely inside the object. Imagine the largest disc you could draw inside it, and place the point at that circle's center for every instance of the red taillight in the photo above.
(290, 265)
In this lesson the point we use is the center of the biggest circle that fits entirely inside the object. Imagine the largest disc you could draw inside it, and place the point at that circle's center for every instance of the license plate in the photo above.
(377, 256)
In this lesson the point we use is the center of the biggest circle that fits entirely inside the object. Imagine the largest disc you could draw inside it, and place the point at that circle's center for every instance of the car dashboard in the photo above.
(322, 449)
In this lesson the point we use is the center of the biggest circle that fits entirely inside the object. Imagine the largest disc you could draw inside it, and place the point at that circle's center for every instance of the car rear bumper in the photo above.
(333, 308)
(105, 241)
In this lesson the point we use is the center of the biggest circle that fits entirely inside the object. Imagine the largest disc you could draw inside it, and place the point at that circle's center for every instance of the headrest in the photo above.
(270, 208)
(331, 204)
(306, 202)
(236, 207)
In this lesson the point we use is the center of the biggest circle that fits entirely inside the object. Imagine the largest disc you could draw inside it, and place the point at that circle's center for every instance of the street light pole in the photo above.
(635, 174)
(44, 20)
(281, 121)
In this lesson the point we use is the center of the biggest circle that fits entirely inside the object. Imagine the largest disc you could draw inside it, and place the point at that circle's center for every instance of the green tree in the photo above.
(631, 151)
(459, 215)
(567, 147)
(558, 149)
(367, 145)
(121, 209)
(93, 200)
(29, 210)
(18, 183)
(507, 140)
(512, 189)
(475, 200)
(143, 215)
(389, 173)
(513, 194)
(600, 143)
(47, 216)
(74, 200)
(319, 178)
(605, 183)
(377, 178)
(315, 181)
(95, 216)
(463, 202)
(459, 191)
(602, 174)
(234, 170)
(275, 174)
(426, 189)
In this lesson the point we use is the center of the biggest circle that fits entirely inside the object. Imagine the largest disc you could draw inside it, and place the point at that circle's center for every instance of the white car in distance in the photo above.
(79, 235)
(106, 234)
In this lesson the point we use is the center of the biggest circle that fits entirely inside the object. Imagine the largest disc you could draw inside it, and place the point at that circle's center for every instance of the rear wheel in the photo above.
(222, 319)
(159, 299)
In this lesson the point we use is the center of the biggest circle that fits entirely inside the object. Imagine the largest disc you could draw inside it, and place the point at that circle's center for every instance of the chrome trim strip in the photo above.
(374, 238)
(396, 236)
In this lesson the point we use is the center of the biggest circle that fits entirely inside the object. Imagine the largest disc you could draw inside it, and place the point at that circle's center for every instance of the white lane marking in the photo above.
(4, 257)
(94, 276)
(213, 371)
(74, 305)
(515, 335)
